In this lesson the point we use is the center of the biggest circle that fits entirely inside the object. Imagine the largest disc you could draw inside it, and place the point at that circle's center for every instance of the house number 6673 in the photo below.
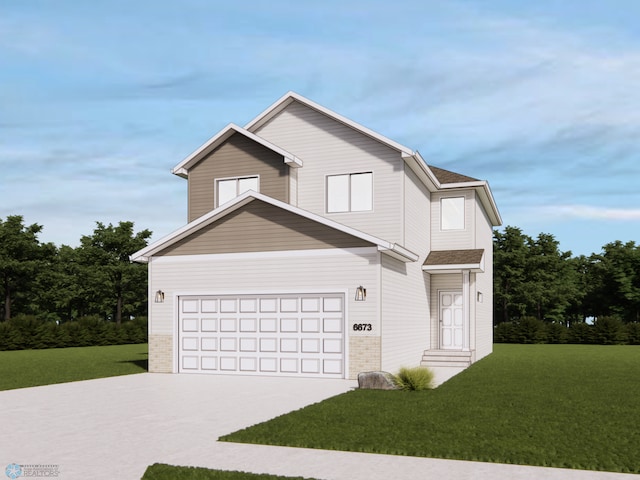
(359, 327)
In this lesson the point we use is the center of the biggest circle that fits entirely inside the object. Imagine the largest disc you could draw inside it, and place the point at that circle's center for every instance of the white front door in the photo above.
(451, 320)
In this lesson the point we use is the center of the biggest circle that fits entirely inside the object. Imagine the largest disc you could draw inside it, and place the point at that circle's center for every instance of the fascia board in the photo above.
(422, 170)
(283, 102)
(399, 253)
(182, 168)
(456, 268)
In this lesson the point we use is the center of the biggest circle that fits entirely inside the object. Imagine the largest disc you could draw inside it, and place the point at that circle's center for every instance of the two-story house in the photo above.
(317, 247)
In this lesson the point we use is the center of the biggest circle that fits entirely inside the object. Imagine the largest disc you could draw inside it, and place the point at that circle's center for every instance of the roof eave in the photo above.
(182, 169)
(398, 252)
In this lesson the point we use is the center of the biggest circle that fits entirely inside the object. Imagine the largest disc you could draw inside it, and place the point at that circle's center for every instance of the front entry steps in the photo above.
(447, 358)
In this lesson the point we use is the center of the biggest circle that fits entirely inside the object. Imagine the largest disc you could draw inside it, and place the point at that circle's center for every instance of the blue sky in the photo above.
(100, 99)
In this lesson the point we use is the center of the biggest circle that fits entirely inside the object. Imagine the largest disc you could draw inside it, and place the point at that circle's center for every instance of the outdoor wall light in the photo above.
(479, 297)
(361, 294)
(159, 297)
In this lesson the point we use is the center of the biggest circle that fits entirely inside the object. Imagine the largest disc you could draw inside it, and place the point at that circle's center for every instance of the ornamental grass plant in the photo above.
(414, 379)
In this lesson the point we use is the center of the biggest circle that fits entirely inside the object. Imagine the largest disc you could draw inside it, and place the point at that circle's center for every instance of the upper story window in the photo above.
(452, 213)
(230, 188)
(352, 192)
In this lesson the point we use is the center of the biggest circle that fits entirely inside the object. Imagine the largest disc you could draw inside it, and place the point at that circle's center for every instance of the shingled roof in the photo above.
(454, 257)
(445, 176)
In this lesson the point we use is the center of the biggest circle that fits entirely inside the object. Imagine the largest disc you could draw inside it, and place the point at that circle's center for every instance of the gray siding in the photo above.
(405, 314)
(484, 284)
(328, 147)
(262, 227)
(238, 156)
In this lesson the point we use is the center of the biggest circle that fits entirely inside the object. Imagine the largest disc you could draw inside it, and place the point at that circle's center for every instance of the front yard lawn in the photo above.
(572, 406)
(159, 471)
(29, 368)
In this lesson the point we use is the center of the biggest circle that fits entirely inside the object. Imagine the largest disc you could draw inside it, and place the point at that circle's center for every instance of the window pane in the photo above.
(452, 214)
(226, 190)
(361, 192)
(338, 193)
(245, 184)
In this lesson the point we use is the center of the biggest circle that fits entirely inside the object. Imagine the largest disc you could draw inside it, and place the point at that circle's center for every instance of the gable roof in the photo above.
(446, 261)
(391, 249)
(434, 178)
(219, 138)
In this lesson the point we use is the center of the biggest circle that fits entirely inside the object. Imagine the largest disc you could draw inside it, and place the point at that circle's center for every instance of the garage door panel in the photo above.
(299, 335)
(248, 324)
(190, 343)
(248, 344)
(248, 305)
(289, 325)
(228, 363)
(190, 325)
(268, 325)
(209, 325)
(228, 324)
(228, 306)
(209, 344)
(310, 345)
(209, 306)
(209, 363)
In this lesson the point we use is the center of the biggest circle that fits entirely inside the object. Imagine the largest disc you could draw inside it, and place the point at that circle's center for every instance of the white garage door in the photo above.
(296, 335)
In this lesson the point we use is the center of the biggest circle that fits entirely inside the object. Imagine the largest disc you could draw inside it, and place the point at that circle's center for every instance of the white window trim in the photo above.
(239, 177)
(326, 192)
(464, 214)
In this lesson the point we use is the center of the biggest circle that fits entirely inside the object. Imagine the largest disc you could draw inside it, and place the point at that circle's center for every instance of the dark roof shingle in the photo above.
(454, 257)
(445, 176)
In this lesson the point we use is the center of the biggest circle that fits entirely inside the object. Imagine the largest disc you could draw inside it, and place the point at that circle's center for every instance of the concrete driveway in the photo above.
(115, 427)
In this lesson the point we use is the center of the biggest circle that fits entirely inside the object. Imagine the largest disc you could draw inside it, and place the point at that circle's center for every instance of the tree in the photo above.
(532, 277)
(615, 275)
(509, 273)
(21, 255)
(120, 286)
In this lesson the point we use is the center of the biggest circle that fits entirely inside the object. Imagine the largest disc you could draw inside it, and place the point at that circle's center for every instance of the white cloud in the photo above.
(592, 213)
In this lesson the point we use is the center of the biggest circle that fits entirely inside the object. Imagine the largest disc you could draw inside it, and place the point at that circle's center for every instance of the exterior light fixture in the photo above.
(479, 297)
(361, 294)
(159, 297)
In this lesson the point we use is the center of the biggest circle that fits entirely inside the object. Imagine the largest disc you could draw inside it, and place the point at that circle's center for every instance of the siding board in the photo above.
(261, 227)
(328, 147)
(238, 156)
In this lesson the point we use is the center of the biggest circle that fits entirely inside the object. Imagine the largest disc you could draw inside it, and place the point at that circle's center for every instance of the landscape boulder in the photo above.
(376, 381)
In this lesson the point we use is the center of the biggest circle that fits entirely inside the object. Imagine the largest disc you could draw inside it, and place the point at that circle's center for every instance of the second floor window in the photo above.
(452, 213)
(352, 192)
(230, 188)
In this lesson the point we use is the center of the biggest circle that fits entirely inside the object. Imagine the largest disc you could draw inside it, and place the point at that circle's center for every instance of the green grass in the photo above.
(574, 406)
(159, 471)
(29, 368)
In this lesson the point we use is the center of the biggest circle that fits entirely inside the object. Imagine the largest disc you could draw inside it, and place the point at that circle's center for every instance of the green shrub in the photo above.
(581, 333)
(417, 378)
(633, 333)
(504, 333)
(609, 331)
(530, 330)
(556, 333)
